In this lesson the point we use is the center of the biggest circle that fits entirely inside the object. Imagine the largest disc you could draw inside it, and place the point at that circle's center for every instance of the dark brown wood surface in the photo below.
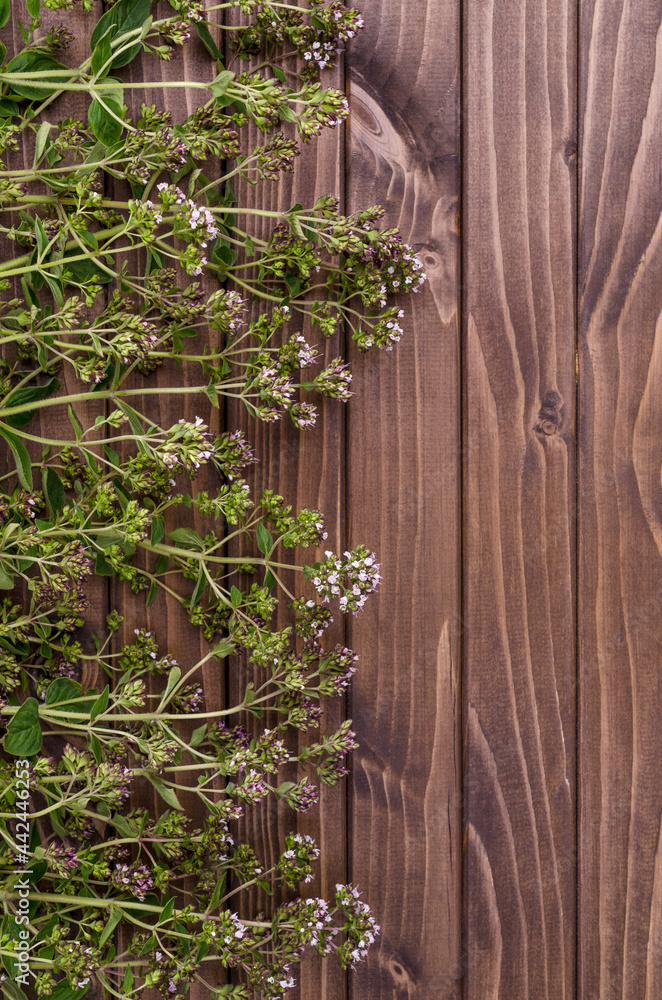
(519, 491)
(502, 817)
(403, 474)
(307, 469)
(620, 883)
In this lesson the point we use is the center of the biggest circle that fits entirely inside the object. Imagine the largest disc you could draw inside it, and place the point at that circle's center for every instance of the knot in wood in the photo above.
(549, 415)
(401, 975)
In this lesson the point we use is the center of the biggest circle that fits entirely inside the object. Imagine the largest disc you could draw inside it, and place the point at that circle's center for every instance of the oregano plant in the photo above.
(128, 247)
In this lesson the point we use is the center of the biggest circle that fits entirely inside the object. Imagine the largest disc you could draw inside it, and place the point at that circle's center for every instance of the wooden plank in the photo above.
(519, 192)
(403, 470)
(176, 635)
(306, 468)
(165, 617)
(620, 888)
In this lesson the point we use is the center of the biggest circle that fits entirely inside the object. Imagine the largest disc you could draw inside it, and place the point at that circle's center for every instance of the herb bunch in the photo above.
(181, 210)
(97, 868)
(129, 251)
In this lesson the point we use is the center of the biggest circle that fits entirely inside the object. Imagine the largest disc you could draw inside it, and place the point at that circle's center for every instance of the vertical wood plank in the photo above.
(620, 887)
(175, 634)
(307, 469)
(519, 192)
(165, 617)
(403, 469)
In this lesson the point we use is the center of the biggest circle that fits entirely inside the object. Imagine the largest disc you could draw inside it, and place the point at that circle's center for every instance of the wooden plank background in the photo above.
(503, 813)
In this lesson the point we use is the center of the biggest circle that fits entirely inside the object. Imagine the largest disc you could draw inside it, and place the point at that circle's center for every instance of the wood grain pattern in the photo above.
(165, 617)
(175, 634)
(477, 713)
(403, 468)
(306, 468)
(620, 892)
(518, 667)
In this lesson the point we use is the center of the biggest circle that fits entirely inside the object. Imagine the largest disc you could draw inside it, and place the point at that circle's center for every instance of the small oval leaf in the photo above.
(23, 736)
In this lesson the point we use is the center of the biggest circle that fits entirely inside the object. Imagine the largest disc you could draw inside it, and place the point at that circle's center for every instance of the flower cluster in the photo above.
(350, 579)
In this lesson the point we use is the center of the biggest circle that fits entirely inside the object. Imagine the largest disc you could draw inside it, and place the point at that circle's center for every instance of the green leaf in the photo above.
(158, 530)
(102, 567)
(212, 395)
(198, 735)
(5, 12)
(128, 15)
(284, 788)
(295, 225)
(208, 42)
(134, 419)
(6, 579)
(95, 746)
(123, 826)
(223, 649)
(53, 490)
(151, 594)
(224, 253)
(115, 917)
(62, 691)
(166, 793)
(167, 911)
(102, 52)
(38, 63)
(221, 83)
(81, 271)
(91, 241)
(106, 128)
(236, 597)
(100, 704)
(111, 454)
(155, 260)
(186, 538)
(75, 422)
(33, 7)
(123, 495)
(199, 588)
(10, 988)
(29, 394)
(286, 113)
(217, 893)
(162, 564)
(265, 542)
(40, 237)
(173, 679)
(293, 284)
(278, 73)
(63, 991)
(7, 108)
(43, 134)
(24, 731)
(21, 458)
